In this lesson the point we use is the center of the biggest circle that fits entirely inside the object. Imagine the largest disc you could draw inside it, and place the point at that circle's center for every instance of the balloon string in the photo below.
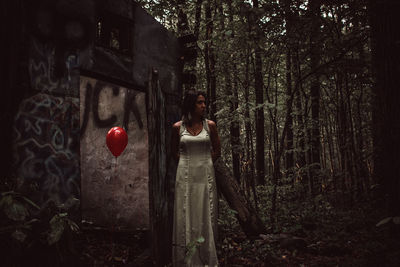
(115, 170)
(113, 220)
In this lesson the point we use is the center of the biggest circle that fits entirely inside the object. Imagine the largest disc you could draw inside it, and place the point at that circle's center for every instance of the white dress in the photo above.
(195, 206)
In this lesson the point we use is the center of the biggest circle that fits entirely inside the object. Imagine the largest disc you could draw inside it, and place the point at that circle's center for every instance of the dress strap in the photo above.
(182, 128)
(205, 126)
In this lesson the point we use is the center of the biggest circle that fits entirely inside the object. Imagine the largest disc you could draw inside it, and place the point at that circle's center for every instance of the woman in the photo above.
(195, 144)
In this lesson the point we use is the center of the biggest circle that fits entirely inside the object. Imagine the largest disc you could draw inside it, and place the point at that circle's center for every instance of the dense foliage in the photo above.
(292, 89)
(316, 88)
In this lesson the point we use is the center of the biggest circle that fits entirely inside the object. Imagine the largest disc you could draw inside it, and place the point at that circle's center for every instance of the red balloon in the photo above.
(116, 140)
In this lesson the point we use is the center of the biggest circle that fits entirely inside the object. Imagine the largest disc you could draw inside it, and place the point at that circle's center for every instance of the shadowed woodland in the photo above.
(306, 97)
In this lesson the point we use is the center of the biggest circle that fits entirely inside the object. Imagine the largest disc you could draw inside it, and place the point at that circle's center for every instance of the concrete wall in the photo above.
(153, 48)
(46, 130)
(113, 191)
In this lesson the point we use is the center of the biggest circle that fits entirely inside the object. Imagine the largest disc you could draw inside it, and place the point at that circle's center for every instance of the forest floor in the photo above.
(306, 233)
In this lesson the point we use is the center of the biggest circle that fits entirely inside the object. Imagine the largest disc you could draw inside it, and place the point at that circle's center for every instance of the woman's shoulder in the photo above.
(177, 125)
(212, 126)
(211, 123)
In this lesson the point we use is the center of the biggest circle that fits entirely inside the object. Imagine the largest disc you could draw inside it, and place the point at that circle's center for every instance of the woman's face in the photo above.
(200, 106)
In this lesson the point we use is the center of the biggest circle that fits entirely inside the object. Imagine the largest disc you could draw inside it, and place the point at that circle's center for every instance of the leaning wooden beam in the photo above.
(157, 169)
(248, 219)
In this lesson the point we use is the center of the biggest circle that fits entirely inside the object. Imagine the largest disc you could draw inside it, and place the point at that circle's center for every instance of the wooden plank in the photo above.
(157, 168)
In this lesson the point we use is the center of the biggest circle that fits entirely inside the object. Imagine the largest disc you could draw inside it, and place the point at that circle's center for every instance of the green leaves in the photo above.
(19, 235)
(17, 208)
(13, 208)
(58, 225)
(384, 221)
(395, 220)
(231, 211)
(228, 32)
(13, 205)
(191, 248)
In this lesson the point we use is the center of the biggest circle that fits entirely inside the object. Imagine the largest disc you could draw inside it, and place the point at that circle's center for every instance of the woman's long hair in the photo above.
(188, 105)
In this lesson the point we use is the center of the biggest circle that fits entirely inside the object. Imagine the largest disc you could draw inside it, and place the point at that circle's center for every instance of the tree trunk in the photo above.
(196, 30)
(386, 109)
(210, 63)
(342, 134)
(360, 140)
(248, 130)
(259, 84)
(231, 94)
(235, 127)
(197, 18)
(354, 175)
(248, 219)
(187, 64)
(289, 162)
(183, 24)
(300, 142)
(329, 134)
(315, 92)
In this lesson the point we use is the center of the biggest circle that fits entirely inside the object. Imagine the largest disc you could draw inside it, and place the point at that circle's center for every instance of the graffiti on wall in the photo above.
(91, 105)
(41, 71)
(113, 192)
(45, 150)
(46, 131)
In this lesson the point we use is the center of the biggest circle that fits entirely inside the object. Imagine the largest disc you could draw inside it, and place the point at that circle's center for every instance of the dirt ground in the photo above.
(345, 238)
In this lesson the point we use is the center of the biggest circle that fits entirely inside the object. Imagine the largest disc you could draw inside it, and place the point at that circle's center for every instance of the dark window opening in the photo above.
(114, 39)
(115, 33)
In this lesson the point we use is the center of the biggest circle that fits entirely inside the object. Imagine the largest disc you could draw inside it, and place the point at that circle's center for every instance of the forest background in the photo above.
(305, 96)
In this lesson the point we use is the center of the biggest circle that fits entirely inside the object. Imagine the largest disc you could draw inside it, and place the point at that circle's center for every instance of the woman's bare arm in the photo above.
(175, 140)
(215, 142)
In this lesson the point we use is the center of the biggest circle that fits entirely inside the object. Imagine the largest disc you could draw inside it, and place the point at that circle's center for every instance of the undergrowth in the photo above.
(310, 232)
